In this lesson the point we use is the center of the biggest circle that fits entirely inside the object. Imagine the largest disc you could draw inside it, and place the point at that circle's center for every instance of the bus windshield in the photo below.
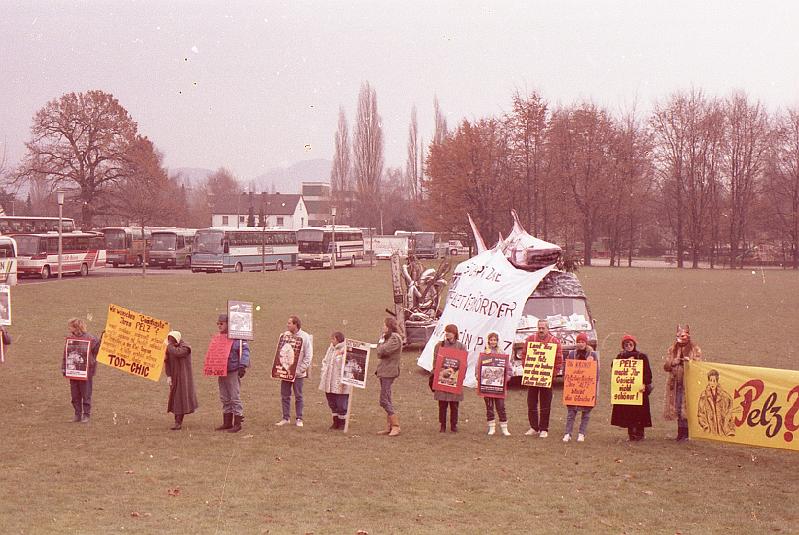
(27, 245)
(208, 242)
(312, 241)
(114, 238)
(164, 241)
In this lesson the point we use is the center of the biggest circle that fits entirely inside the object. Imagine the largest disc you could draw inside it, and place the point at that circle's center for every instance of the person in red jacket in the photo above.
(539, 399)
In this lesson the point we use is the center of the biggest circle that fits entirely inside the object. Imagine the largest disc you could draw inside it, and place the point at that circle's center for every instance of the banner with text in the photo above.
(626, 382)
(539, 364)
(743, 404)
(133, 343)
(579, 383)
(217, 356)
(487, 294)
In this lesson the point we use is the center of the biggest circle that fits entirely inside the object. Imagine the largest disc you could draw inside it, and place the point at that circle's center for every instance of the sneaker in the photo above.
(76, 418)
(299, 422)
(567, 437)
(530, 432)
(282, 422)
(543, 434)
(581, 438)
(84, 419)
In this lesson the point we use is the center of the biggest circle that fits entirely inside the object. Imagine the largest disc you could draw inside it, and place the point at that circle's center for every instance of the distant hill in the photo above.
(280, 179)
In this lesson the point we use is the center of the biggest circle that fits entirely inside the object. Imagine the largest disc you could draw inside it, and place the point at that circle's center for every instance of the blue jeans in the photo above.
(385, 394)
(337, 403)
(81, 392)
(571, 415)
(230, 393)
(285, 397)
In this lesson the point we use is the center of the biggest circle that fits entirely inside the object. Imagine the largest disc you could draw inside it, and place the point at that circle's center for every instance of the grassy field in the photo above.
(126, 472)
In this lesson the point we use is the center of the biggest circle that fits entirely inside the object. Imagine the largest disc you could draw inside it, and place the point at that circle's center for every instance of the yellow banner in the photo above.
(539, 364)
(133, 343)
(743, 404)
(626, 382)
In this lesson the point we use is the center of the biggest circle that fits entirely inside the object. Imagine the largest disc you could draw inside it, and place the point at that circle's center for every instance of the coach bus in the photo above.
(318, 248)
(8, 260)
(125, 246)
(171, 248)
(220, 249)
(37, 254)
(422, 244)
(14, 224)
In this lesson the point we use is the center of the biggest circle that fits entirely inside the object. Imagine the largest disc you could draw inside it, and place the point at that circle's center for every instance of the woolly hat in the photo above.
(222, 317)
(582, 337)
(174, 334)
(629, 337)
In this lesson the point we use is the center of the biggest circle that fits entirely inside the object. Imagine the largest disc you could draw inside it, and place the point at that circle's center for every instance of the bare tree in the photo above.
(440, 133)
(412, 165)
(342, 167)
(368, 153)
(80, 142)
(783, 180)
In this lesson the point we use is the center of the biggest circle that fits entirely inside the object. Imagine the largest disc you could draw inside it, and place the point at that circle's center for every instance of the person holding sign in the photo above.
(492, 402)
(179, 377)
(447, 399)
(634, 417)
(389, 353)
(582, 352)
(81, 388)
(681, 351)
(5, 340)
(230, 384)
(293, 326)
(540, 395)
(337, 394)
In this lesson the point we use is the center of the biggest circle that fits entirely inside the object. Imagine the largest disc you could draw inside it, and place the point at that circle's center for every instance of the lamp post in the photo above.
(60, 199)
(333, 256)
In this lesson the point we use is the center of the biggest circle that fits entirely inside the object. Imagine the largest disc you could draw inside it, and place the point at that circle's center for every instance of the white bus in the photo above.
(171, 248)
(8, 260)
(220, 249)
(17, 224)
(318, 248)
(37, 254)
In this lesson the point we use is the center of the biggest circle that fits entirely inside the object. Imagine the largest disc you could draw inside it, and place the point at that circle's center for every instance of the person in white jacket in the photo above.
(293, 326)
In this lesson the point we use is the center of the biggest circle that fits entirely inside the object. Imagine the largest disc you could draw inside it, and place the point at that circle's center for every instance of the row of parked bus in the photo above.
(29, 247)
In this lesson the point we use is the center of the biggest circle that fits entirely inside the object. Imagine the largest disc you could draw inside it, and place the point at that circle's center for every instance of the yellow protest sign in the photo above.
(134, 343)
(743, 404)
(539, 364)
(626, 382)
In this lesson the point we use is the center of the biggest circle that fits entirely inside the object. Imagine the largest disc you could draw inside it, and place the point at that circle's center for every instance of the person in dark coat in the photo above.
(179, 377)
(448, 399)
(634, 417)
(81, 391)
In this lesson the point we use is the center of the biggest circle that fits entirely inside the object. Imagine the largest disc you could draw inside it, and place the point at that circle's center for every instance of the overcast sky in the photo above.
(255, 85)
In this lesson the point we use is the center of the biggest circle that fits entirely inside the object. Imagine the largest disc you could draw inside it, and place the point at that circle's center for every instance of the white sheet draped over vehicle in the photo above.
(487, 294)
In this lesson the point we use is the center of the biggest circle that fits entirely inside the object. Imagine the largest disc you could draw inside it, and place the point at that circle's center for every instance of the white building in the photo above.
(278, 209)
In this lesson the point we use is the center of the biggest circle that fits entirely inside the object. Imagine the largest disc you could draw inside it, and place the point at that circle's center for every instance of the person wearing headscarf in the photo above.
(582, 352)
(681, 351)
(496, 404)
(179, 377)
(448, 399)
(634, 417)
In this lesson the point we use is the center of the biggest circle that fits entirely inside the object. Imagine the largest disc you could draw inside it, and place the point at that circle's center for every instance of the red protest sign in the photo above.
(449, 370)
(217, 355)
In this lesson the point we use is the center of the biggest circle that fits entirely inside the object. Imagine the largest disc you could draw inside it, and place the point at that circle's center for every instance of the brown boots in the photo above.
(387, 430)
(392, 426)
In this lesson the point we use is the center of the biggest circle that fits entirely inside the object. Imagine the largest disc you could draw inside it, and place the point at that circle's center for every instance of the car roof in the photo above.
(559, 284)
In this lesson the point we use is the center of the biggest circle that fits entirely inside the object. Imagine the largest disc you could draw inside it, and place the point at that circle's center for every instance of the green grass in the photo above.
(59, 477)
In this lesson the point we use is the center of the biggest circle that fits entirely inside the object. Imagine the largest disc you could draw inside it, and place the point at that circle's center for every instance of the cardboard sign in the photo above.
(356, 362)
(449, 371)
(239, 323)
(287, 356)
(491, 375)
(217, 356)
(5, 304)
(76, 358)
(579, 383)
(539, 364)
(626, 382)
(133, 343)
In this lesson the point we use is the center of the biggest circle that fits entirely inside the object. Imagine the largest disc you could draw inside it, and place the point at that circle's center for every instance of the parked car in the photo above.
(456, 248)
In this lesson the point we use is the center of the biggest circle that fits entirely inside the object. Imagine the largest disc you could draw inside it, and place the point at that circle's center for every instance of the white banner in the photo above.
(488, 295)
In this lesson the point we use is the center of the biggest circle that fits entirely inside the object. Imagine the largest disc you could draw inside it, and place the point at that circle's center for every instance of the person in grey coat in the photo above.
(448, 399)
(389, 353)
(179, 377)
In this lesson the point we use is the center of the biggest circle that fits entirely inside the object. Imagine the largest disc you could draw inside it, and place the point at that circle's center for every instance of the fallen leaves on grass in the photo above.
(618, 461)
(128, 471)
(648, 492)
(361, 532)
(173, 492)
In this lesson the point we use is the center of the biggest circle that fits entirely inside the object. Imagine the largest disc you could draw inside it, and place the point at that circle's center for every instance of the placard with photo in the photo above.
(356, 362)
(76, 358)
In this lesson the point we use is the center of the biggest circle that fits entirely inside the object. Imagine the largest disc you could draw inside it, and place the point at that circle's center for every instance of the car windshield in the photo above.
(541, 307)
(208, 242)
(164, 242)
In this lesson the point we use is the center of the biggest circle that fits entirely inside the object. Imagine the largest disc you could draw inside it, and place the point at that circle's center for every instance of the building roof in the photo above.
(317, 207)
(273, 203)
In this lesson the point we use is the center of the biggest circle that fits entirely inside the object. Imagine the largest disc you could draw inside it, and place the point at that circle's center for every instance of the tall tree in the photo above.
(440, 132)
(783, 180)
(79, 142)
(341, 171)
(412, 164)
(368, 154)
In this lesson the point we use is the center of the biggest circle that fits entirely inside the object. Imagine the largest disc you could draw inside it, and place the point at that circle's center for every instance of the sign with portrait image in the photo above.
(287, 356)
(76, 358)
(356, 363)
(5, 304)
(450, 369)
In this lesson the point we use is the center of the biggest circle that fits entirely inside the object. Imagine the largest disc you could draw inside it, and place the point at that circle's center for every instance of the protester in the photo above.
(230, 385)
(539, 395)
(492, 347)
(6, 336)
(447, 399)
(294, 326)
(680, 352)
(389, 353)
(634, 417)
(337, 394)
(179, 377)
(81, 391)
(582, 352)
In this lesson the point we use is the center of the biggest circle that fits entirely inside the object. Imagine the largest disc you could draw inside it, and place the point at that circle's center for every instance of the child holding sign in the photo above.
(81, 388)
(583, 352)
(498, 403)
(634, 417)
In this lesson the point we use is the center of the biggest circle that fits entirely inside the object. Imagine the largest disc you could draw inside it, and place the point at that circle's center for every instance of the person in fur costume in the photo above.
(680, 352)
